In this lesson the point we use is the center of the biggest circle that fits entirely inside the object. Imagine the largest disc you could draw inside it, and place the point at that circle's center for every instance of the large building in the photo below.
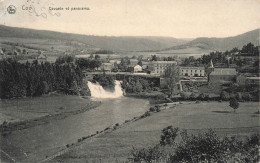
(106, 66)
(222, 75)
(249, 81)
(193, 71)
(160, 66)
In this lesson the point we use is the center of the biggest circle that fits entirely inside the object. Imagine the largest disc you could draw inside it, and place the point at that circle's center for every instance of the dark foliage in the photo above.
(107, 82)
(202, 147)
(88, 64)
(233, 103)
(168, 135)
(20, 80)
(136, 85)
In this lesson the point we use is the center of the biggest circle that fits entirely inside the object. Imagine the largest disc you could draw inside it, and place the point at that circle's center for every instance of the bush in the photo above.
(201, 148)
(146, 114)
(247, 96)
(233, 103)
(168, 135)
(158, 109)
(193, 96)
(152, 109)
(152, 154)
(107, 82)
(203, 97)
(224, 96)
(184, 96)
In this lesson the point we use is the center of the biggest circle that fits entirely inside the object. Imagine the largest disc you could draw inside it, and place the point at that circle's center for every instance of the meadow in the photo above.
(195, 117)
(14, 110)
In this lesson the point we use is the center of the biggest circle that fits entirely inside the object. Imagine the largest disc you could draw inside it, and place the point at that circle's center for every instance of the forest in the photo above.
(36, 79)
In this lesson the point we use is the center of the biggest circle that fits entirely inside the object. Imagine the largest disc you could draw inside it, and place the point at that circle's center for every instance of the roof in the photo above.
(224, 71)
(138, 66)
(107, 64)
(133, 60)
(254, 78)
(167, 62)
(197, 68)
(42, 56)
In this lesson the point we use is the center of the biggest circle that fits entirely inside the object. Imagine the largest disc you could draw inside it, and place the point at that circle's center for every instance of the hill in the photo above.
(110, 43)
(222, 44)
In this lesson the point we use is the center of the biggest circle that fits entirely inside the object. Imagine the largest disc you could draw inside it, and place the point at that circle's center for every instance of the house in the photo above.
(244, 80)
(115, 61)
(106, 66)
(193, 71)
(138, 68)
(160, 66)
(42, 58)
(222, 75)
(253, 81)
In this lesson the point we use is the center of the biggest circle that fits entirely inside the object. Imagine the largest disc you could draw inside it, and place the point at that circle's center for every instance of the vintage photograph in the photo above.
(123, 81)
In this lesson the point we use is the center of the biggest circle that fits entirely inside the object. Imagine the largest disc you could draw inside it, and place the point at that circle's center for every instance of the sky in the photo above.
(172, 18)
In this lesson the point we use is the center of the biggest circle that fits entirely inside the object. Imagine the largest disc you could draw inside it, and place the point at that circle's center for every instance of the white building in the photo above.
(160, 66)
(106, 66)
(192, 71)
(138, 68)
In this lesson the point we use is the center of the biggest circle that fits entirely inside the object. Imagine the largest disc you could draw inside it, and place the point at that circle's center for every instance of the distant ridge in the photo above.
(222, 44)
(124, 43)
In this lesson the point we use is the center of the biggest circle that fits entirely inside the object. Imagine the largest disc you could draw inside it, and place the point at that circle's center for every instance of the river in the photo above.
(35, 143)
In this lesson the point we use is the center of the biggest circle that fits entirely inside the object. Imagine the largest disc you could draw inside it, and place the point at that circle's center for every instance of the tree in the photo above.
(224, 96)
(172, 78)
(154, 58)
(150, 68)
(233, 103)
(97, 57)
(91, 56)
(168, 135)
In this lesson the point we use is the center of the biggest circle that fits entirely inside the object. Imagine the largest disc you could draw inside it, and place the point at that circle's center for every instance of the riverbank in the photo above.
(145, 132)
(155, 97)
(42, 141)
(19, 114)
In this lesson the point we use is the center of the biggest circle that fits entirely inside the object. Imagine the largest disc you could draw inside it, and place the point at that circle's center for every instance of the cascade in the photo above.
(98, 91)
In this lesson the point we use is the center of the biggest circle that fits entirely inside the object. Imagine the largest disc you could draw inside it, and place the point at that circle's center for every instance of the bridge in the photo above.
(155, 78)
(159, 81)
(123, 74)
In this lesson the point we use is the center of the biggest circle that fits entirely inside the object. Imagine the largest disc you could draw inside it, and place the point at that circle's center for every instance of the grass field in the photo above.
(28, 108)
(116, 146)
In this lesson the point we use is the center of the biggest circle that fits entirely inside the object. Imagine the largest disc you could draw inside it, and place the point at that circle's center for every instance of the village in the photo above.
(209, 77)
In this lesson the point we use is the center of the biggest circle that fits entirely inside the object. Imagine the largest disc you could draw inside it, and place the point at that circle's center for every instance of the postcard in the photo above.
(129, 81)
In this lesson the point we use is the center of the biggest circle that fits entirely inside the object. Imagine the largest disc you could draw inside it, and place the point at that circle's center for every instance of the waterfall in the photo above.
(98, 91)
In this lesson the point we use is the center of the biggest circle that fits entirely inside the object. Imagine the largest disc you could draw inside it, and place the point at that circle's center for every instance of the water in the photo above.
(33, 144)
(97, 91)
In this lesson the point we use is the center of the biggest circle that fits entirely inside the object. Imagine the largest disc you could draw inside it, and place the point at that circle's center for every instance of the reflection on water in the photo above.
(43, 139)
